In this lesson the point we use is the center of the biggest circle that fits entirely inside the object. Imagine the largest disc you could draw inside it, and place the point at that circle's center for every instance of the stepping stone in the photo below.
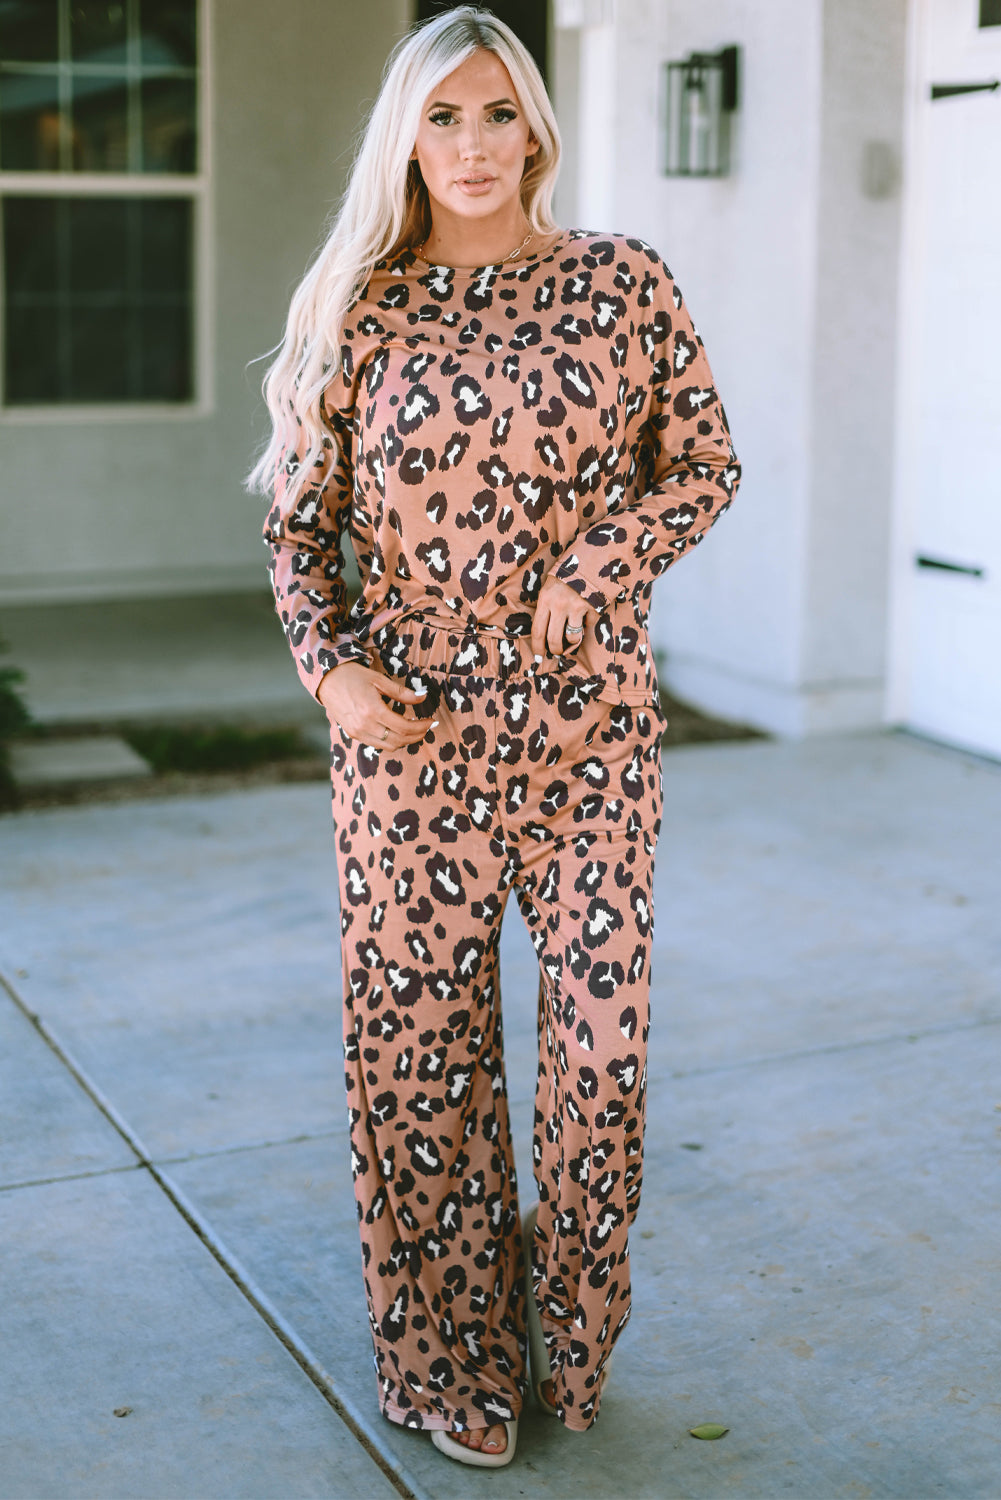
(61, 762)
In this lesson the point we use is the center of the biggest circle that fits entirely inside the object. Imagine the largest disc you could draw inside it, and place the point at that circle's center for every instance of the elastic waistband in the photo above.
(453, 650)
(418, 639)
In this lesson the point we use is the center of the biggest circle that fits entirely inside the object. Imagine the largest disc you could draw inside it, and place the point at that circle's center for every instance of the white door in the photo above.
(947, 676)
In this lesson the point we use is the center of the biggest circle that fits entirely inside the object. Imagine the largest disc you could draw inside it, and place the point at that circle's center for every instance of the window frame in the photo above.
(194, 186)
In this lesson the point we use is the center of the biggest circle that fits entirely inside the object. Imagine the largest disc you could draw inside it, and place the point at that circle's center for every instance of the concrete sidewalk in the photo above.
(816, 1261)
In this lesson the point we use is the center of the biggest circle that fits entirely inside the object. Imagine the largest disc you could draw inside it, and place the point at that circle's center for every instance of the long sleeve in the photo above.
(685, 465)
(304, 538)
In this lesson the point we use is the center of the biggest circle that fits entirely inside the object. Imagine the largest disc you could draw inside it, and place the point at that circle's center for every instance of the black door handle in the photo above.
(947, 90)
(948, 567)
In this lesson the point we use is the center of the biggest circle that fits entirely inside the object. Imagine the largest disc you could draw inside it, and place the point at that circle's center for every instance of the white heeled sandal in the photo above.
(475, 1457)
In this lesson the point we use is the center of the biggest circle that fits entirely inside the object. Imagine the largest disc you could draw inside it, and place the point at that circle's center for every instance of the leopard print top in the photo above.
(489, 427)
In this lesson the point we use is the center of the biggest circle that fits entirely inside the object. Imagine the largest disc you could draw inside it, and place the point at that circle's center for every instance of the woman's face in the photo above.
(473, 139)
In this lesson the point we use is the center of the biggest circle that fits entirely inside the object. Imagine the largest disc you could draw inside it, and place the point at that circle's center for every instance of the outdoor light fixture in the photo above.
(700, 97)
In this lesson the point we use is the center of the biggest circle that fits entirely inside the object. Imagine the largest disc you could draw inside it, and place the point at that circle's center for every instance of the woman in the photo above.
(518, 427)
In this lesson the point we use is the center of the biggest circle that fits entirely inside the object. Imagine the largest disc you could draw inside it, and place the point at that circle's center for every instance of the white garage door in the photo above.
(948, 675)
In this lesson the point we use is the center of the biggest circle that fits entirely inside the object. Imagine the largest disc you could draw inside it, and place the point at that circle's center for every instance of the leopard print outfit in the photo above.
(488, 428)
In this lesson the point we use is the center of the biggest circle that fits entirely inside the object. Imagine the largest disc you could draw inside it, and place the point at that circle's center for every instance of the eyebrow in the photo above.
(442, 104)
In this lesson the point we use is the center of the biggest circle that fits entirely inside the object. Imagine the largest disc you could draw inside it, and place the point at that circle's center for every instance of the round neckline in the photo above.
(503, 266)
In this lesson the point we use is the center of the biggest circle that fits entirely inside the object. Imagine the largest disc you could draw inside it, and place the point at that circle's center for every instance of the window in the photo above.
(99, 191)
(990, 13)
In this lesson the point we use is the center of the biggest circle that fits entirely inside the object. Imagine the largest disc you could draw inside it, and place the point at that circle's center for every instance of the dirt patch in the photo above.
(173, 784)
(689, 726)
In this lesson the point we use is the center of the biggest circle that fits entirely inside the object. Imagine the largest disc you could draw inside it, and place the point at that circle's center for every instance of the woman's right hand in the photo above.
(354, 697)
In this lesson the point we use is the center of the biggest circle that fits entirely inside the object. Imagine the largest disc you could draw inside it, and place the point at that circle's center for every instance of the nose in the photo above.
(470, 147)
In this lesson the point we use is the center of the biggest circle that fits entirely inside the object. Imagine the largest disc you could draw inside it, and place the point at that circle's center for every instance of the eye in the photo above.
(503, 116)
(441, 117)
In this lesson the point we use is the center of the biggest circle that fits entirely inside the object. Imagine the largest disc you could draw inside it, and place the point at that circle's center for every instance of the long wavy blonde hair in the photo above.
(385, 209)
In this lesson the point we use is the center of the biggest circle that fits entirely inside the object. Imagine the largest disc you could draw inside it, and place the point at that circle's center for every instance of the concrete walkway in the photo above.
(215, 656)
(816, 1261)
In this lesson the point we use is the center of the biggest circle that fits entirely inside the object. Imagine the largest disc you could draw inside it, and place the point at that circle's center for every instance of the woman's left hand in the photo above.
(561, 617)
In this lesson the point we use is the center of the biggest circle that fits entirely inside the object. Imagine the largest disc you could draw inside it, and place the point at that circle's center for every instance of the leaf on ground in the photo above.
(709, 1431)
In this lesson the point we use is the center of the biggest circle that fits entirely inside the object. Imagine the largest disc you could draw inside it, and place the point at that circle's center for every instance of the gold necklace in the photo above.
(516, 251)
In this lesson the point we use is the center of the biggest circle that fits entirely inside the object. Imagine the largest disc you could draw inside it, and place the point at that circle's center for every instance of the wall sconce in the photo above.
(701, 96)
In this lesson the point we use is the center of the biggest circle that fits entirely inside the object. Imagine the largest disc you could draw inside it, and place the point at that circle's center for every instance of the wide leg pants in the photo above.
(523, 785)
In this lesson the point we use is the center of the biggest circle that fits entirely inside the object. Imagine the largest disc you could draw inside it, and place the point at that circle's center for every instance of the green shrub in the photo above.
(14, 717)
(224, 747)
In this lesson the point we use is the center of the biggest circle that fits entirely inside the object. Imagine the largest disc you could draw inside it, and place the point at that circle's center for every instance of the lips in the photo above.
(475, 181)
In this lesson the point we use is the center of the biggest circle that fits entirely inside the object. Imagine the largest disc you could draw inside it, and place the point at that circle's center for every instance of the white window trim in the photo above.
(193, 185)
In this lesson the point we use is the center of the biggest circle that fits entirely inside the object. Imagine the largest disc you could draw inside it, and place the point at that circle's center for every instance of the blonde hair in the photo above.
(385, 210)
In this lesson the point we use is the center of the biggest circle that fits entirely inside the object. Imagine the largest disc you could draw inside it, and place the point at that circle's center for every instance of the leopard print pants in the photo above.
(521, 786)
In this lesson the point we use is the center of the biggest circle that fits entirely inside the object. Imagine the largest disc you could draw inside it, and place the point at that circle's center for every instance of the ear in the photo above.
(532, 147)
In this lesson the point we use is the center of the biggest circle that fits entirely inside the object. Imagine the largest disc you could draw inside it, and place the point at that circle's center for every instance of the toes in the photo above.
(490, 1439)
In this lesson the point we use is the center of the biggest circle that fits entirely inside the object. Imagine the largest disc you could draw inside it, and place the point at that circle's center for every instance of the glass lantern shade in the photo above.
(700, 97)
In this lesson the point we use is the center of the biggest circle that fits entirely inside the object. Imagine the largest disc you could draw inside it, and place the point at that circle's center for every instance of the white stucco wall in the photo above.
(102, 508)
(854, 382)
(790, 274)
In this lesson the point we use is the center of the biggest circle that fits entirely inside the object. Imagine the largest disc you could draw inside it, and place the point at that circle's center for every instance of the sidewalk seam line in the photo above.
(31, 1182)
(213, 1152)
(228, 1262)
(832, 1048)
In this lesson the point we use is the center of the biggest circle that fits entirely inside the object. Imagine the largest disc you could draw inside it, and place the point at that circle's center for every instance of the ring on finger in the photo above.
(574, 629)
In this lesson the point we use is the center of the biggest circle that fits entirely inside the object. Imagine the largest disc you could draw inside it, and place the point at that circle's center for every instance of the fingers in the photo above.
(373, 708)
(560, 619)
(573, 634)
(559, 641)
(558, 630)
(398, 734)
(390, 687)
(540, 626)
(395, 732)
(379, 725)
